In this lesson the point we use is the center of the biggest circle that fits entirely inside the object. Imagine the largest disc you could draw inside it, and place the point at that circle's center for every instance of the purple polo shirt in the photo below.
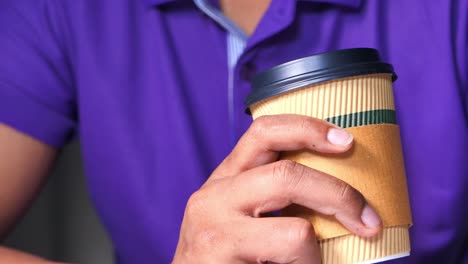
(143, 84)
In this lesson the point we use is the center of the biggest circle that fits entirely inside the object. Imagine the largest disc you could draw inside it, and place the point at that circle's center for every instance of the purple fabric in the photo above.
(144, 85)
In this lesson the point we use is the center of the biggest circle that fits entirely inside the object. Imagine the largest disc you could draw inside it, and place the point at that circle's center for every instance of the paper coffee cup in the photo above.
(352, 89)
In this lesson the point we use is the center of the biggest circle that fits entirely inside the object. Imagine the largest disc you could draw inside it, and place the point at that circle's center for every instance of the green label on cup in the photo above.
(372, 117)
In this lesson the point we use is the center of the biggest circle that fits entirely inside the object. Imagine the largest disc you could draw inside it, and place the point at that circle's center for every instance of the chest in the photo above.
(164, 71)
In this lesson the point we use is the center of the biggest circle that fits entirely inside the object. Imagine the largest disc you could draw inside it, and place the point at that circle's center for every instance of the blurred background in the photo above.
(62, 224)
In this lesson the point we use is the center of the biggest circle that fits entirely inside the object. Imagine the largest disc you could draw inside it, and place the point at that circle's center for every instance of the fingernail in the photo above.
(339, 137)
(370, 218)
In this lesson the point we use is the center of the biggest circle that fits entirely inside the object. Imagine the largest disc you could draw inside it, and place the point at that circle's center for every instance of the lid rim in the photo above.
(313, 77)
(330, 59)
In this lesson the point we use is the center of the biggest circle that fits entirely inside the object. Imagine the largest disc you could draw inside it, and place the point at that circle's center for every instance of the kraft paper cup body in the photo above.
(362, 104)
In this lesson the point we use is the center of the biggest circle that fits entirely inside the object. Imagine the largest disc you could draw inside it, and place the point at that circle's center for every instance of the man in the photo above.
(154, 89)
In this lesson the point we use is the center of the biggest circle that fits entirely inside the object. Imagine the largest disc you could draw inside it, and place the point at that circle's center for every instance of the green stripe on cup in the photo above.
(372, 117)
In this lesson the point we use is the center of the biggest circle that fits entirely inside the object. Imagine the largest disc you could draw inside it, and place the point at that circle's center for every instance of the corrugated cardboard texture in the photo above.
(332, 98)
(374, 166)
(354, 249)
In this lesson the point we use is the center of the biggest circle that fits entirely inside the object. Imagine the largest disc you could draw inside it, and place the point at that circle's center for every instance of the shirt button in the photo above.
(248, 71)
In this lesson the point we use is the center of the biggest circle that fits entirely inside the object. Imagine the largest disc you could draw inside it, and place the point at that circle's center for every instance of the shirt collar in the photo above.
(348, 3)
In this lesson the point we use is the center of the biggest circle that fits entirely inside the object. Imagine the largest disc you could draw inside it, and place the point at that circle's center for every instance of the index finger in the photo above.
(269, 135)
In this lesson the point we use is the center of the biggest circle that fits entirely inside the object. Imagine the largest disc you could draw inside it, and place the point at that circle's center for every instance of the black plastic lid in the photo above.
(315, 69)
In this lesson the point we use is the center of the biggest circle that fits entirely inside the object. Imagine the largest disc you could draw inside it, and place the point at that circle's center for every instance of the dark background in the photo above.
(62, 224)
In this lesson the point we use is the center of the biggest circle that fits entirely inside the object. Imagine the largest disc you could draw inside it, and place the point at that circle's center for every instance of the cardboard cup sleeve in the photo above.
(364, 106)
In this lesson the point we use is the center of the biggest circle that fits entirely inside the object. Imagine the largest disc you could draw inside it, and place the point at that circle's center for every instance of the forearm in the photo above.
(24, 162)
(8, 255)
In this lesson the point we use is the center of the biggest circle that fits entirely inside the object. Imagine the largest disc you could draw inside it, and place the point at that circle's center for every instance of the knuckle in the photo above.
(201, 233)
(313, 124)
(203, 240)
(203, 227)
(289, 173)
(301, 232)
(308, 124)
(313, 133)
(347, 195)
(196, 203)
(260, 126)
(283, 169)
(208, 238)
